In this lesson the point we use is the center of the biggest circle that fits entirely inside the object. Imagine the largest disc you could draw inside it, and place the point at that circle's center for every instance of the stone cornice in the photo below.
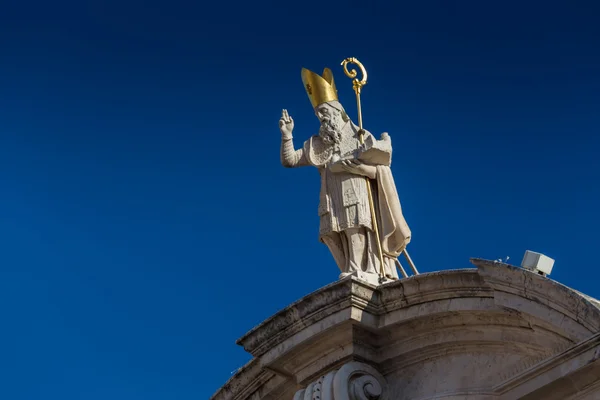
(245, 379)
(352, 292)
(432, 286)
(492, 309)
(523, 283)
(330, 299)
(565, 363)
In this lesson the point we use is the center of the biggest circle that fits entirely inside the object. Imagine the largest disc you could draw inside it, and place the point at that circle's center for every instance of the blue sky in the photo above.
(146, 222)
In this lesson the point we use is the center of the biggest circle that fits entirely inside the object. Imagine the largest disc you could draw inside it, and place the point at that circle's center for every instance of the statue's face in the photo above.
(331, 123)
(325, 111)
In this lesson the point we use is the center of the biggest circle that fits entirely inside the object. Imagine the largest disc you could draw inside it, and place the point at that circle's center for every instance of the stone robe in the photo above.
(344, 211)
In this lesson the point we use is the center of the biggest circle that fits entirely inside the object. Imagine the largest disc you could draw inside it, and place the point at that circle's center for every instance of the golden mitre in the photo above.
(320, 89)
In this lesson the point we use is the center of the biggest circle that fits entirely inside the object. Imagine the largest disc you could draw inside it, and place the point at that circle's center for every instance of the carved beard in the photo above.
(331, 130)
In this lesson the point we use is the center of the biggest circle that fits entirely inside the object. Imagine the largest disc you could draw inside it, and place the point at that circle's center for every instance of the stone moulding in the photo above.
(492, 332)
(569, 362)
(311, 308)
(523, 283)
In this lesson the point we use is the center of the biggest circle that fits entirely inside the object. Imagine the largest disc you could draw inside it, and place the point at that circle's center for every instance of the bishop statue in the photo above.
(349, 167)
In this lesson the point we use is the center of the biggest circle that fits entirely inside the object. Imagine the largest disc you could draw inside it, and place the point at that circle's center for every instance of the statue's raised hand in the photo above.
(286, 125)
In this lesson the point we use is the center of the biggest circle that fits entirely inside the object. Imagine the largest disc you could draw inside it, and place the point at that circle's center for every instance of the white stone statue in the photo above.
(343, 163)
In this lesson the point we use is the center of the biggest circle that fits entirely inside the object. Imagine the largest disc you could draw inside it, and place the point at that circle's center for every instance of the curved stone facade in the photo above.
(494, 332)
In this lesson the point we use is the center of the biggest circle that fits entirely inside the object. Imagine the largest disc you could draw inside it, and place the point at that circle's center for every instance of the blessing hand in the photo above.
(286, 125)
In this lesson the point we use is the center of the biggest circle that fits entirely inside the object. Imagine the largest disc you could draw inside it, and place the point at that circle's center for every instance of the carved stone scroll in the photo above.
(353, 381)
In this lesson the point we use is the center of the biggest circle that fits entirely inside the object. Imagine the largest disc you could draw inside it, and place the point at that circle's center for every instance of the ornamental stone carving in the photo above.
(353, 381)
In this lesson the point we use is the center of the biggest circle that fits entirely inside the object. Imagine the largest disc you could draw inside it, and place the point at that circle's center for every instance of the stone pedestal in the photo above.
(494, 332)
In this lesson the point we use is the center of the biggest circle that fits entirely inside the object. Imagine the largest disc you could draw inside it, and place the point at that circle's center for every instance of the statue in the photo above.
(356, 183)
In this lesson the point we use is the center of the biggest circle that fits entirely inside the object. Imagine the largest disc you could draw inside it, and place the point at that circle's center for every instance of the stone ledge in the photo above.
(574, 362)
(529, 285)
(309, 309)
(498, 314)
